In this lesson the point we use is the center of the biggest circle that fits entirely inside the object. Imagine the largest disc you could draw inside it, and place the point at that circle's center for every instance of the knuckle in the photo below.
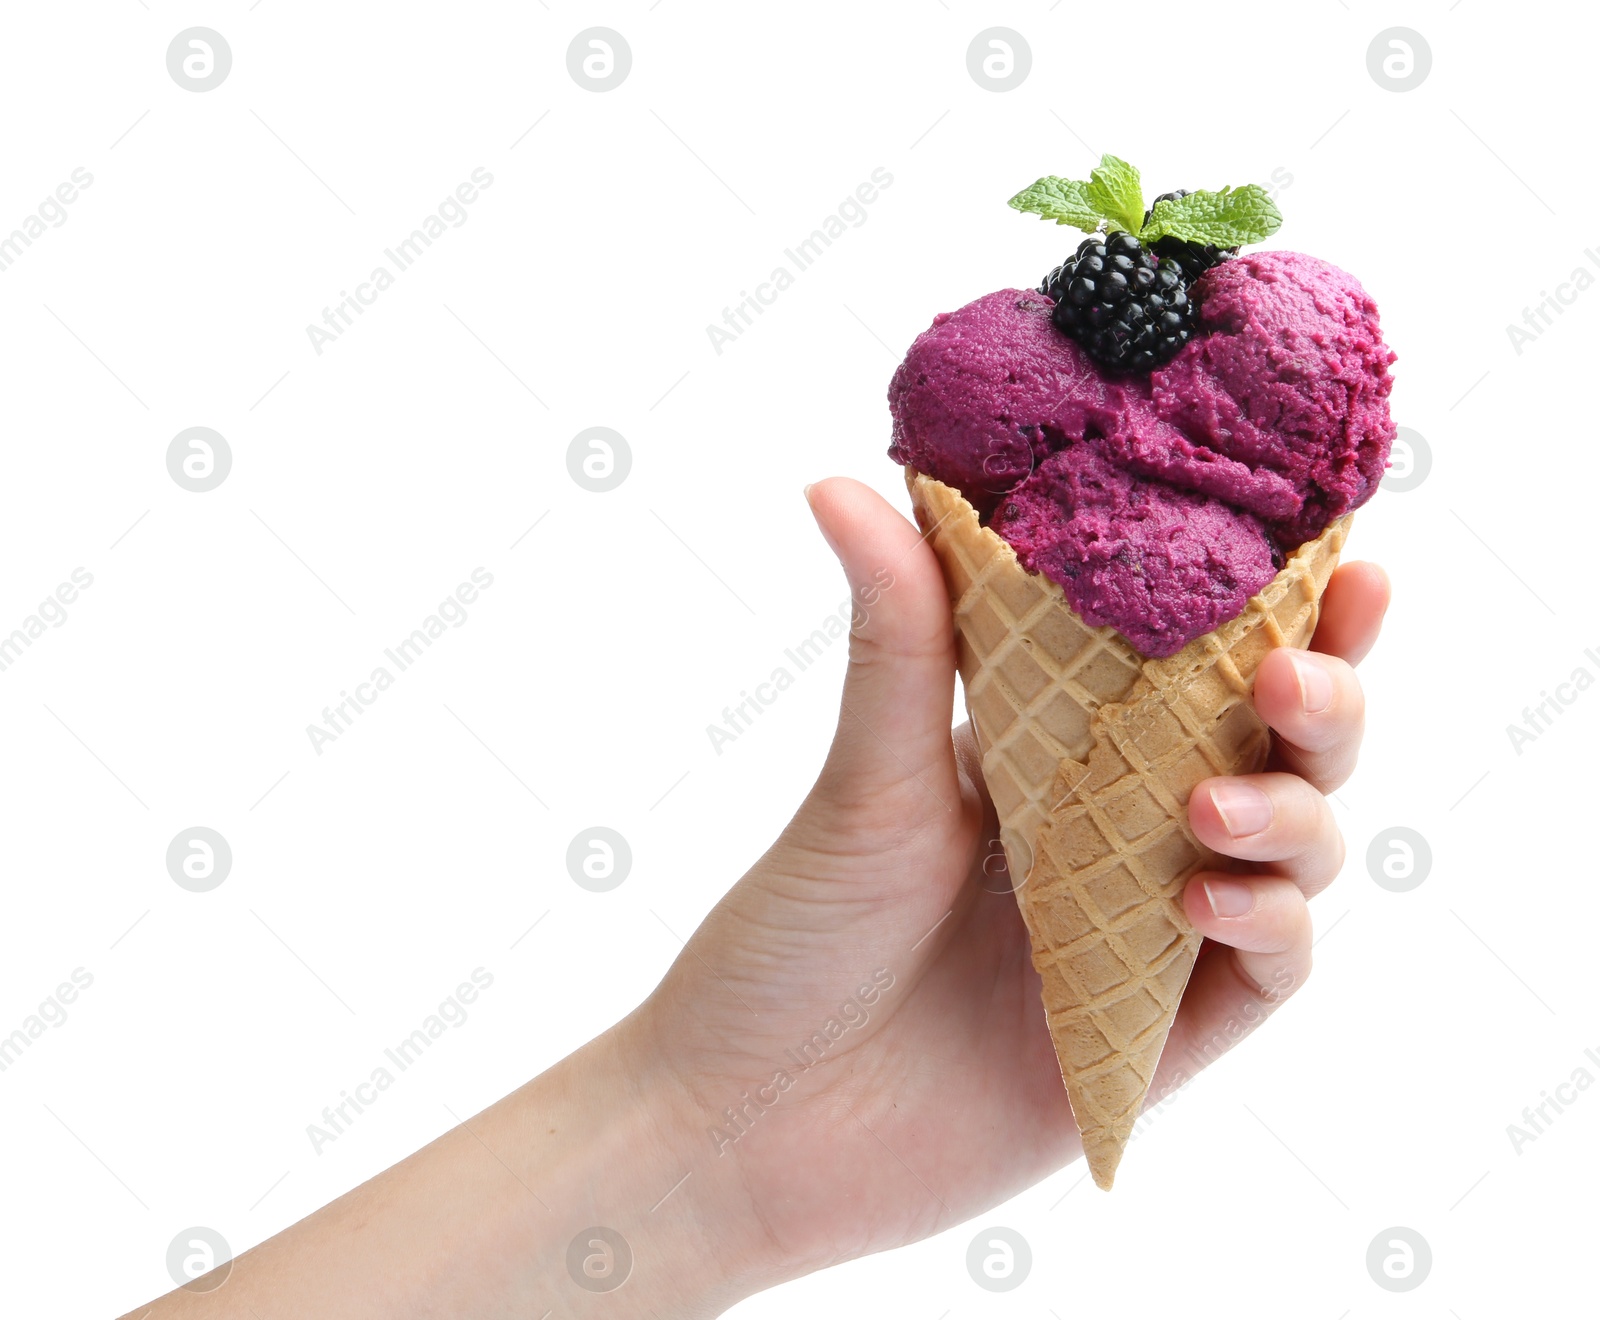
(1286, 983)
(1305, 814)
(1355, 696)
(1337, 852)
(1322, 859)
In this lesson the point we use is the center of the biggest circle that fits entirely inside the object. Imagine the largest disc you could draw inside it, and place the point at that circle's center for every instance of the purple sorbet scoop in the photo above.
(1159, 503)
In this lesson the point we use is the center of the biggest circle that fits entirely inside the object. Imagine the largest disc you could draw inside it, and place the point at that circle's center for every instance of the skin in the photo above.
(938, 1097)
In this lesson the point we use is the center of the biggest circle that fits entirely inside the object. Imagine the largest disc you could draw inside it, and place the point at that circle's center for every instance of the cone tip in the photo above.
(1104, 1155)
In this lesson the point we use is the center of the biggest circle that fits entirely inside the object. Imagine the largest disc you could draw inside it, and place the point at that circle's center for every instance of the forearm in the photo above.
(480, 1222)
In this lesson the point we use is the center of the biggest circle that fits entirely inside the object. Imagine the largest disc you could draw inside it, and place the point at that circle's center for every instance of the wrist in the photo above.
(614, 1141)
(694, 1210)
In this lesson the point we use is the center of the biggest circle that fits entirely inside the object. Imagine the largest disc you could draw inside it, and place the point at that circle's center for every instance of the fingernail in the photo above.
(806, 490)
(1229, 898)
(1244, 808)
(1316, 684)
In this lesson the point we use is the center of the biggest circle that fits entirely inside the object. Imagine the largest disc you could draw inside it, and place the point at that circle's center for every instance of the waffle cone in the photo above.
(1090, 750)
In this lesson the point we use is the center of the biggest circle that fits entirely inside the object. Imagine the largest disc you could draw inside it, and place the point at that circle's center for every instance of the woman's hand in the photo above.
(857, 1027)
(851, 1052)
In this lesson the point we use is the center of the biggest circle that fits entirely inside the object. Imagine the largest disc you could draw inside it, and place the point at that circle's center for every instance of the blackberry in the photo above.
(1128, 308)
(1195, 258)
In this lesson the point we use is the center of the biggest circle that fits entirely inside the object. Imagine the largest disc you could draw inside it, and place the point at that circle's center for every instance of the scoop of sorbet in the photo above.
(1160, 503)
(1288, 377)
(1160, 566)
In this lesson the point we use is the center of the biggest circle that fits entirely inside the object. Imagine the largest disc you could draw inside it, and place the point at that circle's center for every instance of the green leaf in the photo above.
(1066, 201)
(1115, 193)
(1226, 219)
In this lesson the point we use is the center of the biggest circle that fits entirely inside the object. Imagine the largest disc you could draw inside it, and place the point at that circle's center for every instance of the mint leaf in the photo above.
(1066, 201)
(1225, 219)
(1114, 192)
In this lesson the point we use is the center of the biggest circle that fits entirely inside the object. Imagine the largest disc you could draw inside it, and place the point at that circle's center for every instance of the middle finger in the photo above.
(1314, 706)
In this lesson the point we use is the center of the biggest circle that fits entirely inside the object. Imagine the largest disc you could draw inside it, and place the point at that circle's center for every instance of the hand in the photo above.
(857, 1026)
(851, 1052)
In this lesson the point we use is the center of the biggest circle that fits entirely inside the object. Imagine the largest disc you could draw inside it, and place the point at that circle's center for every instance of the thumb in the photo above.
(895, 714)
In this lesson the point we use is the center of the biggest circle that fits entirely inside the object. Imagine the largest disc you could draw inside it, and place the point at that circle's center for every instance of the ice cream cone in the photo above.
(1090, 751)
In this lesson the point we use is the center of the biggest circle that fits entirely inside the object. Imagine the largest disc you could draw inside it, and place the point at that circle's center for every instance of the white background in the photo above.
(370, 480)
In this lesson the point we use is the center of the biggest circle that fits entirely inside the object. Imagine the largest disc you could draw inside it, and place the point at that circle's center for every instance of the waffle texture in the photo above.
(1090, 751)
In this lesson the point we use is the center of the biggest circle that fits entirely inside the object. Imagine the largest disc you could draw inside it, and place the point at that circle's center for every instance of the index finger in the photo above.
(1352, 611)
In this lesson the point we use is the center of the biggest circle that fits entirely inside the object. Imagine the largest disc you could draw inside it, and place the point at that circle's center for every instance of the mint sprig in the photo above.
(1112, 199)
(1223, 219)
(1114, 192)
(1063, 200)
